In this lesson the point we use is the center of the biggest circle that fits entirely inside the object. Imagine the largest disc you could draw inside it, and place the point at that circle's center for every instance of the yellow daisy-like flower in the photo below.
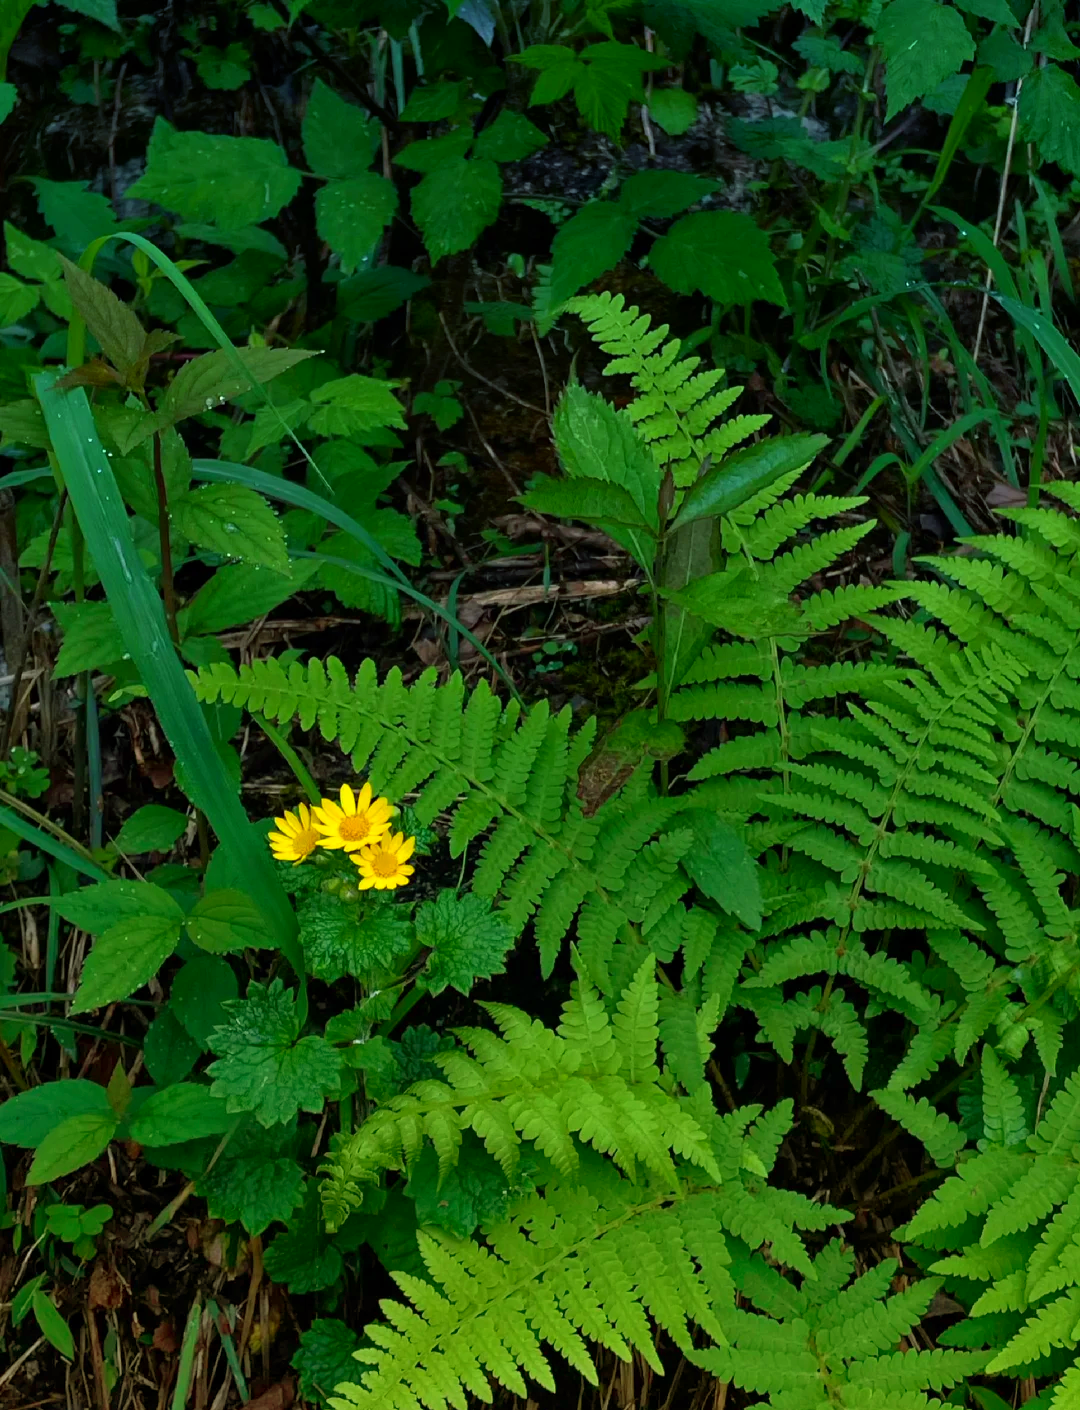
(382, 866)
(357, 822)
(296, 837)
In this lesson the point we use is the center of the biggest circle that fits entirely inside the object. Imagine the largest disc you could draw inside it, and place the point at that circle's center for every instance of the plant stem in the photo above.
(28, 632)
(168, 588)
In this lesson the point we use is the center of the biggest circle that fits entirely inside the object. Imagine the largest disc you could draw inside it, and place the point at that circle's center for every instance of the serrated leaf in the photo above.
(351, 215)
(673, 109)
(661, 194)
(199, 994)
(109, 319)
(588, 245)
(224, 921)
(96, 908)
(264, 1066)
(184, 1112)
(28, 1117)
(104, 11)
(91, 640)
(226, 181)
(1049, 107)
(152, 828)
(593, 501)
(455, 202)
(124, 958)
(723, 868)
(256, 1182)
(472, 1193)
(924, 42)
(340, 140)
(206, 382)
(169, 1050)
(16, 299)
(722, 253)
(324, 1359)
(337, 942)
(77, 214)
(509, 138)
(235, 522)
(305, 1258)
(468, 942)
(74, 1143)
(33, 259)
(350, 406)
(239, 592)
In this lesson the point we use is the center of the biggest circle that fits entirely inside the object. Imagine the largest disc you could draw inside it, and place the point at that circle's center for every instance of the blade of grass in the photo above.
(1061, 355)
(291, 757)
(1061, 264)
(46, 835)
(187, 1356)
(141, 618)
(971, 101)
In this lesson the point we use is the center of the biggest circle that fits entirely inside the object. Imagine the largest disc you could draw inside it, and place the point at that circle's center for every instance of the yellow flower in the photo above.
(382, 865)
(296, 839)
(358, 821)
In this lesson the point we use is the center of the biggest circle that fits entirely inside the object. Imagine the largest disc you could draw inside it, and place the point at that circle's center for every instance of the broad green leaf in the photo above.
(91, 638)
(660, 194)
(509, 138)
(35, 260)
(223, 69)
(257, 1181)
(472, 1193)
(28, 1117)
(349, 406)
(264, 1065)
(373, 293)
(55, 1330)
(235, 522)
(745, 473)
(351, 215)
(152, 828)
(306, 1258)
(592, 501)
(71, 1145)
(723, 867)
(239, 592)
(199, 994)
(924, 42)
(112, 322)
(104, 11)
(996, 11)
(227, 181)
(273, 423)
(673, 109)
(340, 140)
(226, 920)
(184, 1112)
(338, 943)
(1050, 116)
(468, 941)
(9, 95)
(722, 253)
(434, 102)
(595, 441)
(169, 1050)
(16, 299)
(206, 382)
(455, 202)
(96, 908)
(435, 152)
(588, 245)
(124, 958)
(325, 1358)
(22, 424)
(77, 214)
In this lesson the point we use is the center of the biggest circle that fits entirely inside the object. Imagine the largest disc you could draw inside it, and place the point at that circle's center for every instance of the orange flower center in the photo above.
(384, 864)
(306, 841)
(356, 828)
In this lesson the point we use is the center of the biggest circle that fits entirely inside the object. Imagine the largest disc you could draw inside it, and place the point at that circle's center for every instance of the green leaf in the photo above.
(588, 245)
(305, 1259)
(223, 69)
(256, 1182)
(77, 214)
(745, 473)
(169, 1050)
(238, 593)
(184, 1112)
(434, 152)
(227, 181)
(350, 406)
(673, 110)
(924, 42)
(235, 522)
(74, 1143)
(226, 920)
(337, 942)
(113, 324)
(104, 11)
(607, 79)
(468, 942)
(28, 1117)
(35, 260)
(660, 194)
(455, 202)
(592, 501)
(1050, 116)
(124, 958)
(340, 140)
(473, 1191)
(596, 442)
(373, 293)
(9, 95)
(509, 138)
(351, 215)
(324, 1359)
(16, 299)
(206, 382)
(152, 828)
(55, 1330)
(264, 1066)
(434, 102)
(91, 638)
(199, 994)
(722, 253)
(96, 908)
(723, 867)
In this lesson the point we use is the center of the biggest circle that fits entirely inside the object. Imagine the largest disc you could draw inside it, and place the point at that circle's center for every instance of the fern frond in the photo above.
(941, 1136)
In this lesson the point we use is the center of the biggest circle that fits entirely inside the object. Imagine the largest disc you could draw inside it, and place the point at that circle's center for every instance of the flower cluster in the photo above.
(359, 825)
